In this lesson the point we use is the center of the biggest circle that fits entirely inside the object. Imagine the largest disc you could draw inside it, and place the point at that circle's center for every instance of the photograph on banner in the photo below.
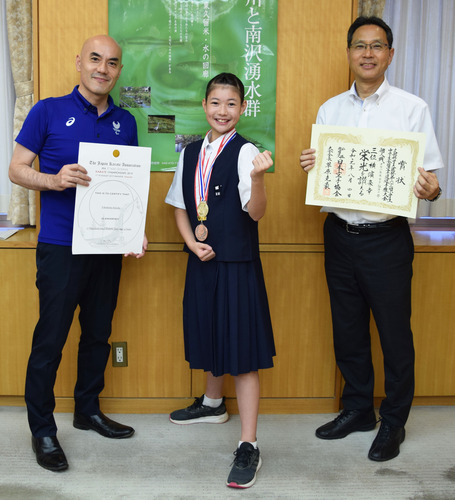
(172, 48)
(365, 169)
(110, 213)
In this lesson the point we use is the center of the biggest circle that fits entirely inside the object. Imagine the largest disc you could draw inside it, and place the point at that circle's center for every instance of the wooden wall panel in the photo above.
(63, 26)
(311, 68)
(149, 317)
(304, 364)
(433, 317)
(19, 305)
(299, 305)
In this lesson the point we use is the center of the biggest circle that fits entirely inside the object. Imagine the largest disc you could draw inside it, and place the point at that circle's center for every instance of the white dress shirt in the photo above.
(388, 108)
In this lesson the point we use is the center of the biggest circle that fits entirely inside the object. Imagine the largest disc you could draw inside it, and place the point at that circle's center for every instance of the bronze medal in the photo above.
(201, 232)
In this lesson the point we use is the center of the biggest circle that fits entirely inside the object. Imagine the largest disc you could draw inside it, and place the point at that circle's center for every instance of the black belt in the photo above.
(372, 227)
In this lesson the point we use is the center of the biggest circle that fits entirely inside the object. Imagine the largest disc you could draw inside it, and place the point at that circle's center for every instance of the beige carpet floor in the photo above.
(166, 461)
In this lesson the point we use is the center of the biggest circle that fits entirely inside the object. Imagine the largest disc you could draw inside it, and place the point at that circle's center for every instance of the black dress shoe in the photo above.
(387, 443)
(49, 453)
(347, 421)
(102, 425)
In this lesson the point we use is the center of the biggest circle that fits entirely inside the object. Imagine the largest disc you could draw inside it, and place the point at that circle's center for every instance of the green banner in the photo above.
(172, 48)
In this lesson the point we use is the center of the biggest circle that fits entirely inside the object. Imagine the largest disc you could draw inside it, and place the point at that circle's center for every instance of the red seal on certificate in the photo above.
(201, 232)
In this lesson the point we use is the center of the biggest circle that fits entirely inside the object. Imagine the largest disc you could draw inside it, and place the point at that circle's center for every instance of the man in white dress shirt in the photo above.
(368, 256)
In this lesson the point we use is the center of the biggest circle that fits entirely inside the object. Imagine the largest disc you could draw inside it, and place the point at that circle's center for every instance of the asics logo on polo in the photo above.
(116, 126)
(70, 121)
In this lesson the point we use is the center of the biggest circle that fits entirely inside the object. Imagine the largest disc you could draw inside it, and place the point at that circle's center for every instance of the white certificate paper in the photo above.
(109, 215)
(365, 169)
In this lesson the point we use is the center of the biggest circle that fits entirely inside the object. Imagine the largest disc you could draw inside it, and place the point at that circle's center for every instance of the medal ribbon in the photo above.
(204, 168)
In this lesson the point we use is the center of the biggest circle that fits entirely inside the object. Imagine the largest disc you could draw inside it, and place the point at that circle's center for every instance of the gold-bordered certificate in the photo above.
(109, 215)
(365, 169)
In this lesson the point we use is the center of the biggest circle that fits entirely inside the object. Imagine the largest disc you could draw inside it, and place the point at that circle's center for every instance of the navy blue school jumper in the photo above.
(226, 317)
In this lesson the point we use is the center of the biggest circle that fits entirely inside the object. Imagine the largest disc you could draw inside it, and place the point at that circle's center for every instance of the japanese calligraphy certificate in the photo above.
(365, 169)
(109, 215)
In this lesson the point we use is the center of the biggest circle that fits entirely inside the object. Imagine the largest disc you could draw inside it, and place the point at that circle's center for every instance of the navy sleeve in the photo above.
(34, 130)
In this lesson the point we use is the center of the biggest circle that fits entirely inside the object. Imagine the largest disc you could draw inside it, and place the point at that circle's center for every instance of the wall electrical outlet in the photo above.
(119, 354)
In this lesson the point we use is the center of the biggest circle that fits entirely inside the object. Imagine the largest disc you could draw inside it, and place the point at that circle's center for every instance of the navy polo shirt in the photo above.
(52, 130)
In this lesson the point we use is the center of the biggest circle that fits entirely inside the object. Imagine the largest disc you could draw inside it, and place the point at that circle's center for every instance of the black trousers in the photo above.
(372, 272)
(65, 281)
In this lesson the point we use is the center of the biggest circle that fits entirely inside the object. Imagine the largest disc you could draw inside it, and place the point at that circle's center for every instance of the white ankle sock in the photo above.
(213, 403)
(254, 443)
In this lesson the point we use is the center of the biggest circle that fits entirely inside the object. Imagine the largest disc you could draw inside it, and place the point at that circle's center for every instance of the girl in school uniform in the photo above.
(219, 196)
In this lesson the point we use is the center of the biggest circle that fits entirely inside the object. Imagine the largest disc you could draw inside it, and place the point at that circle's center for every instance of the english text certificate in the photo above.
(109, 215)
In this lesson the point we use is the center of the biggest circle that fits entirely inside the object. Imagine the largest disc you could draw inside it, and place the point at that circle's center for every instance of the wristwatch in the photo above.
(437, 196)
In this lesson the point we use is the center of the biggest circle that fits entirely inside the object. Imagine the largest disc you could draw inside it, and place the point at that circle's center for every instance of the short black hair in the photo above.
(363, 20)
(226, 79)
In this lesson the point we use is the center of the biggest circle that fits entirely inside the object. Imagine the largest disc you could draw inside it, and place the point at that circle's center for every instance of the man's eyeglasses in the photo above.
(362, 47)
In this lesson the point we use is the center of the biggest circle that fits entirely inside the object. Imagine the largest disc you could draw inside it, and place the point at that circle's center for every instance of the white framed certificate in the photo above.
(365, 169)
(110, 213)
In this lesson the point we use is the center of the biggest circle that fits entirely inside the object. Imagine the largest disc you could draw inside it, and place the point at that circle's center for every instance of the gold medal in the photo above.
(201, 232)
(202, 210)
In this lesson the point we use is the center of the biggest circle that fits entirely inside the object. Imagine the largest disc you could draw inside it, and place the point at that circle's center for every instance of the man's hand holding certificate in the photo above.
(365, 169)
(109, 215)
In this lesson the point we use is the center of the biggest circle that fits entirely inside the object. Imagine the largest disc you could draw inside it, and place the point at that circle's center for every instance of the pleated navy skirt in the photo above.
(226, 317)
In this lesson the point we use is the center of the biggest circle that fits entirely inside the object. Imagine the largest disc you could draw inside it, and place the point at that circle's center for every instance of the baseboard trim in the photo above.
(166, 405)
(267, 405)
(425, 401)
